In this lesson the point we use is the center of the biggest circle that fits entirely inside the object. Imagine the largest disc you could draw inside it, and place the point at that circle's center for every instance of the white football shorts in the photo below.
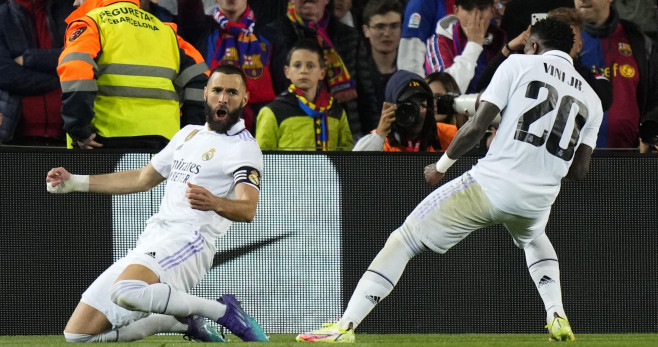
(459, 207)
(176, 252)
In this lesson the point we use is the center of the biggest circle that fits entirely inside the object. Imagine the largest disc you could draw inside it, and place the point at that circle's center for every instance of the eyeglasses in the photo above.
(381, 27)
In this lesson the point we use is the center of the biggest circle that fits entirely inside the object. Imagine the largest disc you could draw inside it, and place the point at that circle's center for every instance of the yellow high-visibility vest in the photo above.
(137, 66)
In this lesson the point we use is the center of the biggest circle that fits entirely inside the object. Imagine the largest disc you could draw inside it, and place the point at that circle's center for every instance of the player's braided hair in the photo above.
(553, 34)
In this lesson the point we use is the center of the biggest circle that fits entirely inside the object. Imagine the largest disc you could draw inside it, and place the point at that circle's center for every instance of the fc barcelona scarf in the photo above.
(236, 44)
(340, 85)
(319, 112)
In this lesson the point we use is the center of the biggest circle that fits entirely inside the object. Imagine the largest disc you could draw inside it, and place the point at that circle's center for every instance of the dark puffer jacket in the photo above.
(38, 74)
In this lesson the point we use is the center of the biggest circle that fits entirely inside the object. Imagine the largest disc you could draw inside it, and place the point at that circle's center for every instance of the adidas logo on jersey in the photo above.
(374, 299)
(151, 254)
(545, 280)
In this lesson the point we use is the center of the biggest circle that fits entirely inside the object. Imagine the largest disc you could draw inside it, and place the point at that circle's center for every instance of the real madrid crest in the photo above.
(208, 155)
(254, 178)
(191, 135)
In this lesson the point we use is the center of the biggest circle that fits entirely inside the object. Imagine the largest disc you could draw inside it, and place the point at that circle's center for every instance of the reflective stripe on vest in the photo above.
(137, 65)
(189, 73)
(193, 94)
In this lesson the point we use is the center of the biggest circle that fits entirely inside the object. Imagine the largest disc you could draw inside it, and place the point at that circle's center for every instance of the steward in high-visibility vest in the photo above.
(124, 76)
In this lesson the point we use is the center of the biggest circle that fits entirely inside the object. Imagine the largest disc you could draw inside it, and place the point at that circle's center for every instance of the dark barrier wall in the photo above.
(321, 220)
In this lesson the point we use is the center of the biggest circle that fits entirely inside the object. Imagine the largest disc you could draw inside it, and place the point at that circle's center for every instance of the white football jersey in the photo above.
(547, 111)
(206, 158)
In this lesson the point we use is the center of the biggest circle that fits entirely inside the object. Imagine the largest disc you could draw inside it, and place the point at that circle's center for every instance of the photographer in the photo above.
(404, 125)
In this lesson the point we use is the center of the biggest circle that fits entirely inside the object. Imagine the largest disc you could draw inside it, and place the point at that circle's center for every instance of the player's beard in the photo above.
(221, 126)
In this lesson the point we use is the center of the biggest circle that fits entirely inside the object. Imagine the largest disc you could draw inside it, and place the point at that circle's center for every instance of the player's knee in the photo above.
(70, 337)
(405, 238)
(127, 294)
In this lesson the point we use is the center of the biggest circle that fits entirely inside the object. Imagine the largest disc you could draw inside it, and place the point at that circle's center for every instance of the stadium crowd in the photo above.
(105, 101)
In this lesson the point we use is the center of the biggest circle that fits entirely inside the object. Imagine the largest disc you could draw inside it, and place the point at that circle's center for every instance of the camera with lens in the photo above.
(451, 103)
(407, 114)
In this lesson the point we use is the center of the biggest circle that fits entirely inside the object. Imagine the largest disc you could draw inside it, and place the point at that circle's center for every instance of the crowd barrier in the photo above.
(321, 219)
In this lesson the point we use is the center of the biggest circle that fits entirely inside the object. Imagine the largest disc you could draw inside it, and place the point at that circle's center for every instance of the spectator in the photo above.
(407, 123)
(305, 117)
(339, 42)
(465, 42)
(343, 11)
(420, 20)
(442, 83)
(31, 39)
(213, 180)
(618, 49)
(519, 13)
(124, 94)
(231, 36)
(383, 20)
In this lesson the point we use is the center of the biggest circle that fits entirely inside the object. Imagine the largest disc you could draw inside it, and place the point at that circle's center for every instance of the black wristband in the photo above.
(509, 49)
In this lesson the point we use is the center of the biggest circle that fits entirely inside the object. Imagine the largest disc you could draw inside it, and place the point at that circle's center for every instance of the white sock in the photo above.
(161, 298)
(151, 325)
(545, 272)
(137, 330)
(381, 277)
(110, 336)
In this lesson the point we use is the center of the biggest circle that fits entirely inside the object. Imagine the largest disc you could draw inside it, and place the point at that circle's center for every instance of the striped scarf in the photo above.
(319, 111)
(236, 44)
(340, 85)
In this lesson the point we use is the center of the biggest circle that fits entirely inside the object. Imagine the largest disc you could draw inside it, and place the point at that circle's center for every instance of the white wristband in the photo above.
(444, 163)
(80, 183)
(77, 183)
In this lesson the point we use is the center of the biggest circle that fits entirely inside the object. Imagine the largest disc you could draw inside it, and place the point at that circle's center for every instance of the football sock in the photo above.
(137, 330)
(151, 325)
(545, 272)
(161, 298)
(71, 337)
(381, 277)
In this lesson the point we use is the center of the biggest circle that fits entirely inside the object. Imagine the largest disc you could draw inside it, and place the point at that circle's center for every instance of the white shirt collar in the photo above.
(236, 128)
(560, 54)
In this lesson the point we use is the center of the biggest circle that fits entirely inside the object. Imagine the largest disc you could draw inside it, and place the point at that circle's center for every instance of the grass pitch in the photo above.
(376, 340)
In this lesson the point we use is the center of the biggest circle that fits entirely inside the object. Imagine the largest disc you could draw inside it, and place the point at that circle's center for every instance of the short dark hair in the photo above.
(381, 7)
(309, 45)
(471, 4)
(553, 34)
(230, 69)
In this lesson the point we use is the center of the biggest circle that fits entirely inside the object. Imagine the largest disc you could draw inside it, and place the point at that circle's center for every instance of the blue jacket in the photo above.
(38, 75)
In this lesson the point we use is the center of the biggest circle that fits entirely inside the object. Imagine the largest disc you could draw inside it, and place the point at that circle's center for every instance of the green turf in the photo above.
(393, 340)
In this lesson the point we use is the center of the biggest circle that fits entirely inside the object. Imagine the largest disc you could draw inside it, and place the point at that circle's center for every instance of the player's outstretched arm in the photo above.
(59, 180)
(241, 209)
(580, 165)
